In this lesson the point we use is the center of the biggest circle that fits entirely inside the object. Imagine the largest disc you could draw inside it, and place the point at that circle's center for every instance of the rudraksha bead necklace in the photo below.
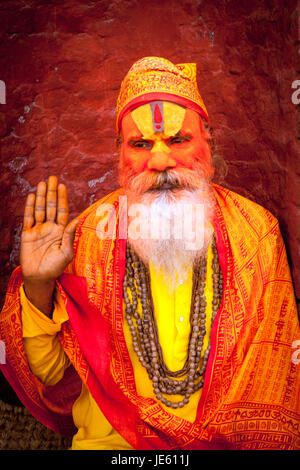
(144, 331)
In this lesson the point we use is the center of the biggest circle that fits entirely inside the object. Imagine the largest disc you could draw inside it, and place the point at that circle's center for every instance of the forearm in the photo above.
(46, 358)
(44, 352)
(40, 294)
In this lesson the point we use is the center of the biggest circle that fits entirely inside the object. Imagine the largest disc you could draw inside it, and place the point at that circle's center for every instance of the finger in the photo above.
(28, 219)
(68, 238)
(71, 229)
(39, 210)
(51, 198)
(62, 205)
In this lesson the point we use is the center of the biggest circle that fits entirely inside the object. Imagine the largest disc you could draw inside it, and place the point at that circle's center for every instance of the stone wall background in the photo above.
(63, 62)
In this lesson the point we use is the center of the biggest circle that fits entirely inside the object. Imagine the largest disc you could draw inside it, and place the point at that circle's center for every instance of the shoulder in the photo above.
(237, 210)
(88, 245)
(251, 231)
(89, 215)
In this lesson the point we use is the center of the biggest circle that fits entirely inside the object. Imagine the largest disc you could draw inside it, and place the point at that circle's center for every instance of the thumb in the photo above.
(68, 237)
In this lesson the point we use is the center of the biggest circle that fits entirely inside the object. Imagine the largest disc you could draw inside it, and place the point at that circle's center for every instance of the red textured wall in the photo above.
(63, 62)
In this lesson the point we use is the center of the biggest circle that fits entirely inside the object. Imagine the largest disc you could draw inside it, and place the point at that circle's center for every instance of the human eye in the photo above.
(180, 139)
(142, 144)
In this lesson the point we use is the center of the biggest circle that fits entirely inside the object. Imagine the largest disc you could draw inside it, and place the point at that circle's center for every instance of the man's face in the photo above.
(165, 168)
(161, 136)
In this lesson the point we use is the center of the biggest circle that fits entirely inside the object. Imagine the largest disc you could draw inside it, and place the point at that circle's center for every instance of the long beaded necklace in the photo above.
(144, 331)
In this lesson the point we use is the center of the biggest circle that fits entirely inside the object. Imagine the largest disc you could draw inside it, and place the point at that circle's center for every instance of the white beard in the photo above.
(174, 228)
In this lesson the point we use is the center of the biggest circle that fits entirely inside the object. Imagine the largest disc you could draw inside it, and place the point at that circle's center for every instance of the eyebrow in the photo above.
(185, 136)
(136, 137)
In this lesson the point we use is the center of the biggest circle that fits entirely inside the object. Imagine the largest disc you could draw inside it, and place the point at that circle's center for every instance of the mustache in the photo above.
(167, 180)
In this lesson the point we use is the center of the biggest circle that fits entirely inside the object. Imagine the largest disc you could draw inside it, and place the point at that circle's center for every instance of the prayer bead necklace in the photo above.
(144, 330)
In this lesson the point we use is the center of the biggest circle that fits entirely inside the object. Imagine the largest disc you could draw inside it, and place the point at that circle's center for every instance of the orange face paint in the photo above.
(182, 143)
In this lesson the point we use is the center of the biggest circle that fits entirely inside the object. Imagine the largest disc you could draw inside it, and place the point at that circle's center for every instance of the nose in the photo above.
(160, 162)
(160, 159)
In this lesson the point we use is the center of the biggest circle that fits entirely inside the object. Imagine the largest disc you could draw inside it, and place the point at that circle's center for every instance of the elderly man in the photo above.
(128, 339)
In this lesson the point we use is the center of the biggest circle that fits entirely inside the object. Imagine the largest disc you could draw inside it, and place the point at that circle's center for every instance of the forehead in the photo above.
(159, 117)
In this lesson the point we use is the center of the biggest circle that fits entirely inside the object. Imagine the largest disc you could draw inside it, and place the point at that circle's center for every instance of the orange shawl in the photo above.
(250, 393)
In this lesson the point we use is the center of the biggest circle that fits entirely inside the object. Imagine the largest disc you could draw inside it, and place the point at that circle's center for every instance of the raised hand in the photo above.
(46, 241)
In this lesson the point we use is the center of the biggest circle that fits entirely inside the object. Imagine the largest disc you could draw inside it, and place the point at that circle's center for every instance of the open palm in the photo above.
(46, 240)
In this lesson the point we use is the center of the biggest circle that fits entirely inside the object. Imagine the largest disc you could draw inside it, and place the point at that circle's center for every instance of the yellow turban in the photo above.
(155, 78)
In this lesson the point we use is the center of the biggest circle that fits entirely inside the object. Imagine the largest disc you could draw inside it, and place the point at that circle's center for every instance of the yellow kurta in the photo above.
(48, 361)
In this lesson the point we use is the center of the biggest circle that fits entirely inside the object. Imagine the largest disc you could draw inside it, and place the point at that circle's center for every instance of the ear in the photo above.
(119, 141)
(208, 133)
(123, 169)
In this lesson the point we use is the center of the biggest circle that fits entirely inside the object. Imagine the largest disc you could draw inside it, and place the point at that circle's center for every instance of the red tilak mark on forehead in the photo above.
(157, 114)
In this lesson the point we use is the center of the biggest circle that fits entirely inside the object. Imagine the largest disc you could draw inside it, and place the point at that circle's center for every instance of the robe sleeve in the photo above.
(45, 355)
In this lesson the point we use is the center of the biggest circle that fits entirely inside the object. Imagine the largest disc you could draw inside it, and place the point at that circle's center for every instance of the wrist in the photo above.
(38, 283)
(40, 294)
